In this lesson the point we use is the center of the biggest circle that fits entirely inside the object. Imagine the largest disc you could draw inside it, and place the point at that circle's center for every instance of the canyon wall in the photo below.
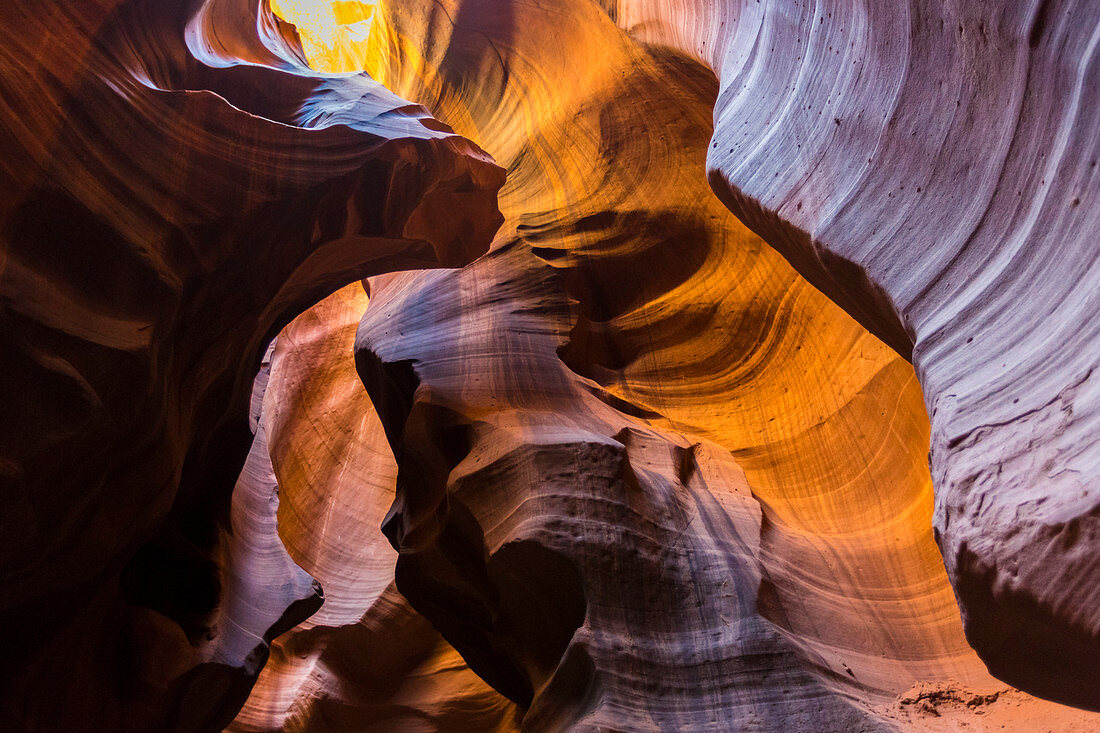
(642, 463)
(162, 219)
(933, 169)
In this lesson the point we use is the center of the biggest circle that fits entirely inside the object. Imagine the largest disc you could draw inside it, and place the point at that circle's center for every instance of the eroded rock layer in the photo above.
(161, 220)
(933, 168)
(365, 660)
(625, 338)
(643, 465)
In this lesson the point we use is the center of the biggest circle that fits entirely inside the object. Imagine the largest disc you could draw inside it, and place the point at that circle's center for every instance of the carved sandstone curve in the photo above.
(934, 170)
(161, 220)
(521, 106)
(538, 117)
(366, 660)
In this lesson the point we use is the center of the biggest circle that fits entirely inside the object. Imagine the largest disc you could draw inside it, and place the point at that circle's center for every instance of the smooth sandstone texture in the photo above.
(160, 220)
(643, 474)
(933, 168)
(684, 323)
(365, 660)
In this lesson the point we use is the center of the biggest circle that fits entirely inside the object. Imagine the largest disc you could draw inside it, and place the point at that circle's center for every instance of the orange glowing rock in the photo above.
(165, 213)
(573, 448)
(687, 341)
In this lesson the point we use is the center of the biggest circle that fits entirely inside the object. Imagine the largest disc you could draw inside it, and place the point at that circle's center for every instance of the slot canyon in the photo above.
(550, 365)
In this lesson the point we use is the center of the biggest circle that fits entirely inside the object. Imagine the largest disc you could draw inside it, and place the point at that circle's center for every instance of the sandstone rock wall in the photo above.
(645, 463)
(933, 168)
(161, 221)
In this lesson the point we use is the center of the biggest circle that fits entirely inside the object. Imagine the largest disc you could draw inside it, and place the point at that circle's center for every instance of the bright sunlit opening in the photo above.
(333, 32)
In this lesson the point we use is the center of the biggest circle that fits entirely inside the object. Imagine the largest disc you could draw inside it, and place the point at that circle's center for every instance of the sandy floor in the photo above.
(939, 707)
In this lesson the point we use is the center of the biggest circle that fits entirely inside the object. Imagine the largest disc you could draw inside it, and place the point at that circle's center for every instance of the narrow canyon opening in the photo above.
(684, 321)
(479, 365)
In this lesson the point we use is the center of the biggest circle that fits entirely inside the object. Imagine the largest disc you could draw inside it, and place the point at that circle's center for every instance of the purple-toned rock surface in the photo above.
(321, 411)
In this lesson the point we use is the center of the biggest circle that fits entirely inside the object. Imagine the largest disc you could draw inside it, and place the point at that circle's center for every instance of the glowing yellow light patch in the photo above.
(333, 32)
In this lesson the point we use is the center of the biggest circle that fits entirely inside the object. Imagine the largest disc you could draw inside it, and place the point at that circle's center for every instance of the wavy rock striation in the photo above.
(674, 328)
(365, 660)
(643, 465)
(161, 220)
(934, 170)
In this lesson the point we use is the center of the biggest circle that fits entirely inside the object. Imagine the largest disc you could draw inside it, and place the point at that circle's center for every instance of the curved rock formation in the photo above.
(934, 170)
(683, 322)
(365, 660)
(162, 220)
(643, 465)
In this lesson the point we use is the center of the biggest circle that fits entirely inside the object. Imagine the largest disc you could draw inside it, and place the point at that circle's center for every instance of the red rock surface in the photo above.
(933, 168)
(161, 221)
(630, 469)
